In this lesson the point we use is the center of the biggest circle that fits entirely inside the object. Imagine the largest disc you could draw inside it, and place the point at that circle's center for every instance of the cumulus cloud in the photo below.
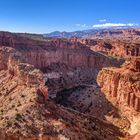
(102, 20)
(112, 25)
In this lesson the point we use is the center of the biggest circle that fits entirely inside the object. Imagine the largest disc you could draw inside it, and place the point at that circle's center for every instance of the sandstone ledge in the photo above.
(121, 84)
(122, 88)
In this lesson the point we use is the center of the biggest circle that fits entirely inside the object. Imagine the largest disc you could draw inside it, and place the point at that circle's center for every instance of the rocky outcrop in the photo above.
(122, 87)
(122, 84)
(21, 85)
(62, 123)
(41, 53)
(115, 47)
(82, 63)
(24, 114)
(134, 137)
(24, 110)
(135, 64)
(12, 62)
(118, 33)
(122, 46)
(82, 66)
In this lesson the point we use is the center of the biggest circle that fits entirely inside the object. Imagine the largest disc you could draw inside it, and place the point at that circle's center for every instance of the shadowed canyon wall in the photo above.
(122, 87)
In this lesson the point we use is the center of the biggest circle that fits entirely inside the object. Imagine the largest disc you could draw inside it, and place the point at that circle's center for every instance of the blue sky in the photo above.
(42, 16)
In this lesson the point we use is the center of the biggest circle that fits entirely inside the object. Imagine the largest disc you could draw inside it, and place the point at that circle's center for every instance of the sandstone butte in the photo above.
(27, 112)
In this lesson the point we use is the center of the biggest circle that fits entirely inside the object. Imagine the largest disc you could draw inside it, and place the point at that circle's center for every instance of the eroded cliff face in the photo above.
(122, 87)
(24, 111)
(82, 63)
(20, 86)
(41, 53)
(82, 66)
(114, 47)
(14, 66)
(126, 33)
(25, 114)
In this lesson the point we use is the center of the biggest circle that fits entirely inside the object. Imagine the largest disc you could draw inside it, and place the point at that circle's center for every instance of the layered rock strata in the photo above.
(114, 47)
(82, 63)
(24, 111)
(25, 114)
(122, 87)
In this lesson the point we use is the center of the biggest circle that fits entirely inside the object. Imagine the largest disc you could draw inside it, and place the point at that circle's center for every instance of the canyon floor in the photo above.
(89, 100)
(69, 89)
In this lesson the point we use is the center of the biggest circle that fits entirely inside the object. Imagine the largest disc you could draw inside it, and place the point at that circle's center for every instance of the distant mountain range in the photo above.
(110, 31)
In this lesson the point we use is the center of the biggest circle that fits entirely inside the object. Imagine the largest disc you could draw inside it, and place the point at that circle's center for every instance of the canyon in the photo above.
(76, 88)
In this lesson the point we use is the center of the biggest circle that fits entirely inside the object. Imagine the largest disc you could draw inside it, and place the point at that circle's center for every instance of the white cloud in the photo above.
(112, 25)
(82, 25)
(78, 24)
(102, 20)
